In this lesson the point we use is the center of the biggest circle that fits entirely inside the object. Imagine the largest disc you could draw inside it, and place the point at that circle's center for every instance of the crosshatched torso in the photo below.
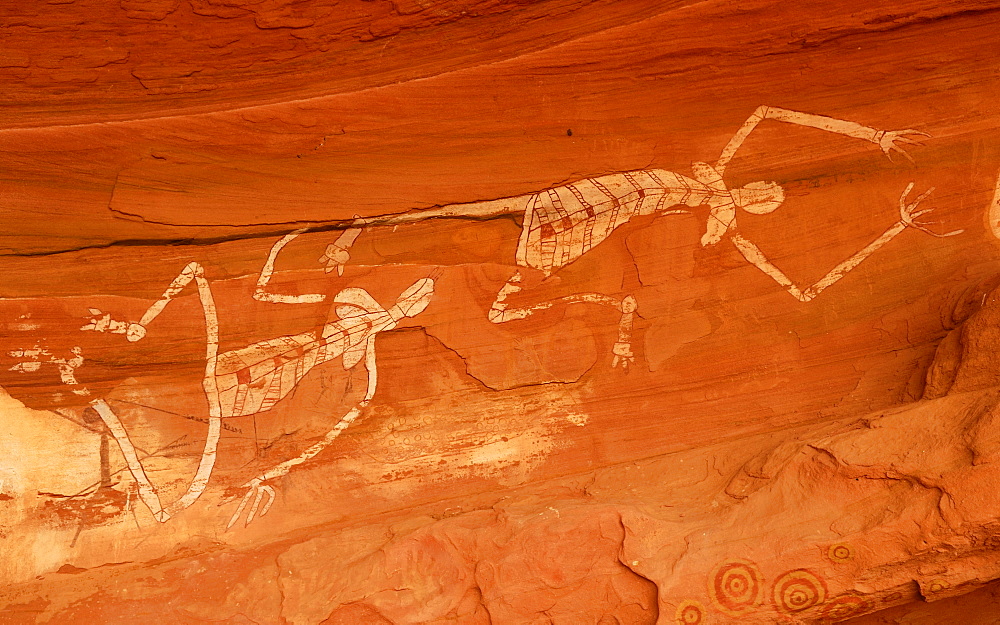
(563, 223)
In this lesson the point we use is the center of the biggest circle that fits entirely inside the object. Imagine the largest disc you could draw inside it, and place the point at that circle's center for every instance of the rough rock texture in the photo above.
(716, 423)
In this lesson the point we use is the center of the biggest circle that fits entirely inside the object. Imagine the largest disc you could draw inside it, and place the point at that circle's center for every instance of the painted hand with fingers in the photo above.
(335, 257)
(908, 213)
(889, 141)
(102, 322)
(336, 254)
(33, 358)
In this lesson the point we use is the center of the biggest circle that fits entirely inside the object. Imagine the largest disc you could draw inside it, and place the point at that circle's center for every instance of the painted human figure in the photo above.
(563, 223)
(253, 379)
(559, 226)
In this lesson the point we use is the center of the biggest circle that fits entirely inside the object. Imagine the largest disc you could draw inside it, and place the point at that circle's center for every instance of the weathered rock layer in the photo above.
(564, 357)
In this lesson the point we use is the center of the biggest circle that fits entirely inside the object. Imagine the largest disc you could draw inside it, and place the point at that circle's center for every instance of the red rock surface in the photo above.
(762, 460)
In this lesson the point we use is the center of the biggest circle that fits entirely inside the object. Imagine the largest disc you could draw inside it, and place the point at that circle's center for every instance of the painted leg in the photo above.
(209, 383)
(147, 493)
(622, 350)
(499, 313)
(136, 331)
(257, 487)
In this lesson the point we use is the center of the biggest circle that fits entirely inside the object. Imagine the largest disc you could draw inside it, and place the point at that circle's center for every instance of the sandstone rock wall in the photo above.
(473, 312)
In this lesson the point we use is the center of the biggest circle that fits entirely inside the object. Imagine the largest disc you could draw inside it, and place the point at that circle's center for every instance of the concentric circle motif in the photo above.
(736, 587)
(845, 606)
(840, 552)
(798, 590)
(937, 585)
(690, 612)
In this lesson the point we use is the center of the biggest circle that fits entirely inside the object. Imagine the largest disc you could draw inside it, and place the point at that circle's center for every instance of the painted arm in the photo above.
(908, 214)
(335, 256)
(888, 141)
(260, 292)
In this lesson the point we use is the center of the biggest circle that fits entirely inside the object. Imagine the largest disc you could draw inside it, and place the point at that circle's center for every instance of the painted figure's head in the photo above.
(759, 198)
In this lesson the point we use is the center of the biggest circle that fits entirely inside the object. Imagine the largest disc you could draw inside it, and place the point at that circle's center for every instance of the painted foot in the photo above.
(256, 489)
